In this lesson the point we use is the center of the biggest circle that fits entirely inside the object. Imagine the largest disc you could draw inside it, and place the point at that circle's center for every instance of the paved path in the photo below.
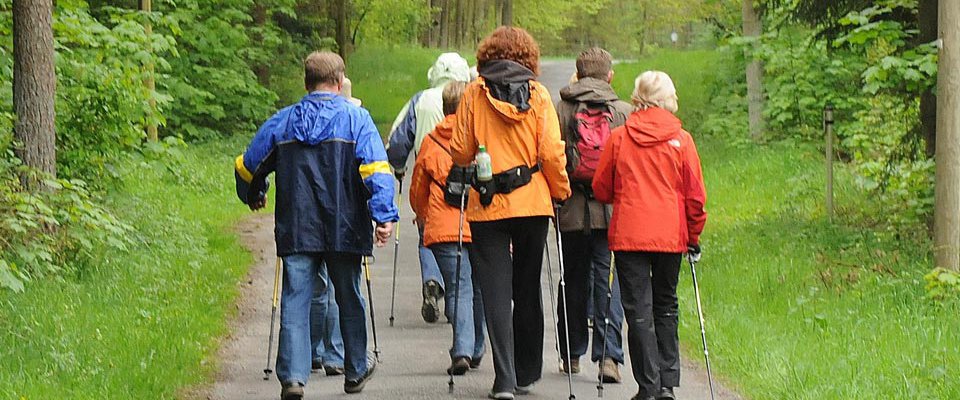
(413, 353)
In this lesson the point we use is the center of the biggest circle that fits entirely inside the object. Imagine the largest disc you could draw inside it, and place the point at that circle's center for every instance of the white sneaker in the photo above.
(500, 395)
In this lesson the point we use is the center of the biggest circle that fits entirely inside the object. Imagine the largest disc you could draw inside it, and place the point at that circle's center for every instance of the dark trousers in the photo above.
(648, 283)
(510, 286)
(586, 259)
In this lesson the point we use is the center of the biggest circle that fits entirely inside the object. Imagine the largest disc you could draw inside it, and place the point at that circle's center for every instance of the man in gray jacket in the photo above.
(589, 109)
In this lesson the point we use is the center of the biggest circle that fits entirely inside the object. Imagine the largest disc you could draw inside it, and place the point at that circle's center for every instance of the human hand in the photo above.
(259, 203)
(382, 233)
(693, 253)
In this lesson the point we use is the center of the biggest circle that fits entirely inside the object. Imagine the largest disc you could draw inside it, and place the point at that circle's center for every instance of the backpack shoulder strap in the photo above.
(437, 141)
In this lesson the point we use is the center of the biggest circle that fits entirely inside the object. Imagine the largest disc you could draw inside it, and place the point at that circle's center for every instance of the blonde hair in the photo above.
(655, 89)
(347, 90)
(452, 93)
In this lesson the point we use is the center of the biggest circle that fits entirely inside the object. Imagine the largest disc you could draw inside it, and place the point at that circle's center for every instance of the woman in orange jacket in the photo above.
(441, 224)
(650, 172)
(511, 115)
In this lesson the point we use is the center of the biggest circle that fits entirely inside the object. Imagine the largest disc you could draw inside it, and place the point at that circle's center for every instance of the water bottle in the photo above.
(484, 165)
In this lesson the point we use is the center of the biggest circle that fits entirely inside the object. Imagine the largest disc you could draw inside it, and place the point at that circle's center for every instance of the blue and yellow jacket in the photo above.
(332, 176)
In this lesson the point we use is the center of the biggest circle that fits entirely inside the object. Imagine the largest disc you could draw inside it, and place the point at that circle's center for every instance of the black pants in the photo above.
(586, 260)
(510, 286)
(648, 284)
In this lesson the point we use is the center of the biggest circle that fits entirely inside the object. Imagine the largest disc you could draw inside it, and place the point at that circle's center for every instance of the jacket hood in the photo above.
(316, 113)
(448, 67)
(508, 81)
(444, 129)
(589, 90)
(653, 126)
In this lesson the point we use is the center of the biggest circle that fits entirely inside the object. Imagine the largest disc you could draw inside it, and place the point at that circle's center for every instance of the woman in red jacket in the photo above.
(650, 172)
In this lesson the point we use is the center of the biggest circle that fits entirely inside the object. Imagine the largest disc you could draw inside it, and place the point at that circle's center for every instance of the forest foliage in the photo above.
(218, 63)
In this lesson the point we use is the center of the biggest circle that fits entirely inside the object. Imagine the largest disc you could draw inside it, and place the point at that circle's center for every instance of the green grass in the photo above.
(693, 73)
(799, 308)
(146, 321)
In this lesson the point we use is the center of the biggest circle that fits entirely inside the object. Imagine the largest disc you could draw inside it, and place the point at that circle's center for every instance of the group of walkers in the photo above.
(494, 162)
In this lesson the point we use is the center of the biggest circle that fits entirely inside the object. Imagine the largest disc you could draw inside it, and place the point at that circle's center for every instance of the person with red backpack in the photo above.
(589, 110)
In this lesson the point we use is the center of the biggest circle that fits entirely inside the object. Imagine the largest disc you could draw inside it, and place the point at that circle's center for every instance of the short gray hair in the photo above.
(655, 89)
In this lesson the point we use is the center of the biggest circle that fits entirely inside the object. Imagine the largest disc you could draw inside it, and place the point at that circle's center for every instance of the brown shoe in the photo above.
(574, 366)
(459, 366)
(610, 371)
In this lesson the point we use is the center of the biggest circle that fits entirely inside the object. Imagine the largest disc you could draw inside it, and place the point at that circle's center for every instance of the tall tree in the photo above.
(507, 13)
(34, 86)
(947, 203)
(149, 81)
(752, 28)
(341, 15)
(927, 21)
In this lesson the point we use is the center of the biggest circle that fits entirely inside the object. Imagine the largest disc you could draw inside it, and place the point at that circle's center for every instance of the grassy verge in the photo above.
(142, 323)
(798, 307)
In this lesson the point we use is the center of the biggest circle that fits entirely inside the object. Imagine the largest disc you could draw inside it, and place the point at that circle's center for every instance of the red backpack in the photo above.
(593, 130)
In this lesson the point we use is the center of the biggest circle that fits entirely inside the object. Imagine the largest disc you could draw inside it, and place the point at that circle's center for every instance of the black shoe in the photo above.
(431, 297)
(332, 371)
(316, 366)
(350, 386)
(475, 362)
(459, 366)
(641, 397)
(666, 393)
(291, 391)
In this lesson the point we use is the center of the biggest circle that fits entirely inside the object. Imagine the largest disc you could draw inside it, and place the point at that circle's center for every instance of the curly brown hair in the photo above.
(510, 43)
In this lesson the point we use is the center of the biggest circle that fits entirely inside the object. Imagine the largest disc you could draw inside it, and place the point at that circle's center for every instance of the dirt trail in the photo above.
(414, 353)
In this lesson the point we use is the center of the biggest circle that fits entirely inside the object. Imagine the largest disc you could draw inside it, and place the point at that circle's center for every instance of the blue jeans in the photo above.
(299, 282)
(429, 270)
(325, 338)
(469, 326)
(583, 256)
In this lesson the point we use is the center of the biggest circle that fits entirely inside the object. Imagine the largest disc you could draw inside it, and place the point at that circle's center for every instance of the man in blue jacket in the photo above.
(332, 180)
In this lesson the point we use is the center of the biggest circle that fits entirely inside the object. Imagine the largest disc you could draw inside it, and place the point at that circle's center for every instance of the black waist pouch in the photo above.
(458, 185)
(504, 182)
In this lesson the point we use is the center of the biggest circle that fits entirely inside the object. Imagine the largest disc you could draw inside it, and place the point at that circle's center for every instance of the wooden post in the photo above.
(148, 80)
(828, 133)
(946, 214)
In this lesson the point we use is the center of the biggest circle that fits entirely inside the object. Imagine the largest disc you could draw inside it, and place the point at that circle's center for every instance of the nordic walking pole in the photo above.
(273, 317)
(373, 319)
(396, 251)
(456, 293)
(606, 322)
(553, 305)
(703, 333)
(563, 296)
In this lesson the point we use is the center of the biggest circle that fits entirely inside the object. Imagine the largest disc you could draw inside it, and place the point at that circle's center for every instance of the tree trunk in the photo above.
(259, 15)
(34, 87)
(461, 22)
(444, 24)
(342, 16)
(149, 81)
(507, 16)
(643, 29)
(927, 18)
(752, 28)
(947, 204)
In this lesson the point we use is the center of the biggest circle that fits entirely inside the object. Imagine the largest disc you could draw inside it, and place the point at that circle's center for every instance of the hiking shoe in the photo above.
(330, 370)
(355, 386)
(431, 297)
(666, 393)
(316, 366)
(610, 372)
(574, 366)
(475, 362)
(459, 366)
(291, 391)
(500, 395)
